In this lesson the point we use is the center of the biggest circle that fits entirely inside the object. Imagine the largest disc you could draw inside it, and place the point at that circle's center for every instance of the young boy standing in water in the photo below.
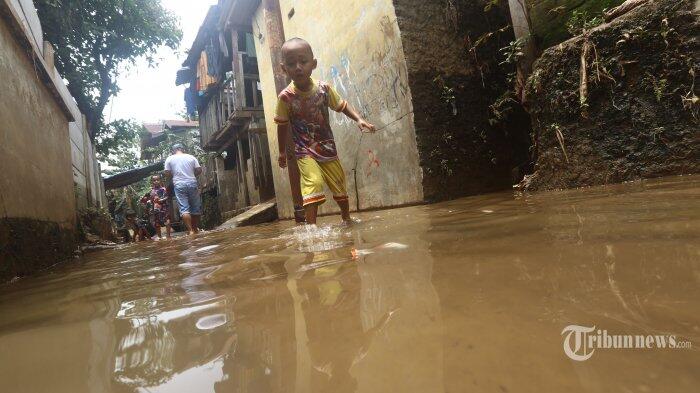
(303, 107)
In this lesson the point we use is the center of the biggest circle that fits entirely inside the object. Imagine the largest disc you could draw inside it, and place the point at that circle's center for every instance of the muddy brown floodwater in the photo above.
(471, 295)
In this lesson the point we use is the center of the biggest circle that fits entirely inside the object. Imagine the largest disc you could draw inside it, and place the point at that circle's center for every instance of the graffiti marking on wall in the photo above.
(372, 161)
(383, 88)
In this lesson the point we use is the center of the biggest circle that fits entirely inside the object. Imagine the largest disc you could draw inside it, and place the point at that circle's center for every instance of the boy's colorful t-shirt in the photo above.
(156, 196)
(160, 193)
(307, 114)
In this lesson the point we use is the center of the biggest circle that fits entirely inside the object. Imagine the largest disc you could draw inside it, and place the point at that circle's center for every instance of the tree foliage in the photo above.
(189, 139)
(118, 145)
(95, 40)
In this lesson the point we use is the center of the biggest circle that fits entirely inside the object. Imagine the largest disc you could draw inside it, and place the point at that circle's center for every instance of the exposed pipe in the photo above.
(275, 38)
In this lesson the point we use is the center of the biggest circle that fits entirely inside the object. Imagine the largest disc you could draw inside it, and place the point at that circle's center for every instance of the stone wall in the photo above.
(37, 201)
(360, 52)
(633, 114)
(462, 150)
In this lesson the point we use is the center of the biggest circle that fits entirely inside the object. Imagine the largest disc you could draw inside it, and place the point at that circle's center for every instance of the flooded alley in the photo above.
(470, 295)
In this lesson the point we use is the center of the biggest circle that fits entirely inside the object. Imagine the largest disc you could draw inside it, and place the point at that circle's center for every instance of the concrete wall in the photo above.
(36, 188)
(462, 151)
(359, 51)
(87, 178)
(30, 21)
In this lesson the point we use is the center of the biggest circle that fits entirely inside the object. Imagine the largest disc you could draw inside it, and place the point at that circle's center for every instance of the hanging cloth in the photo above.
(203, 74)
(214, 58)
(190, 102)
(222, 45)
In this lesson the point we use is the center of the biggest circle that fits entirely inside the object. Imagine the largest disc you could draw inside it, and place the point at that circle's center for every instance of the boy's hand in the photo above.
(363, 124)
(282, 160)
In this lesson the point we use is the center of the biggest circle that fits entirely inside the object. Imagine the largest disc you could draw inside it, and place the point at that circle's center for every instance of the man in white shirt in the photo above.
(184, 169)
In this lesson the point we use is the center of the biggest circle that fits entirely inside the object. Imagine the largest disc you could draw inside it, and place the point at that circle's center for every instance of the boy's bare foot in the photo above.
(299, 214)
(350, 222)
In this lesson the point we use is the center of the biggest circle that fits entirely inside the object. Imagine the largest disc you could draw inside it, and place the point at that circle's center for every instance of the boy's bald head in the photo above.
(296, 44)
(298, 61)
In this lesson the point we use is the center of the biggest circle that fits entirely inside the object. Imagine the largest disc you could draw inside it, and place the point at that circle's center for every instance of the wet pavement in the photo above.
(470, 295)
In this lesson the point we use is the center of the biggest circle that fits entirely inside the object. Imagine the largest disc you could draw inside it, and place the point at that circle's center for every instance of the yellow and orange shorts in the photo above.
(314, 174)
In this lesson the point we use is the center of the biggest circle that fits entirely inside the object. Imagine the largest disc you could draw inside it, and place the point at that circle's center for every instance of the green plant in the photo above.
(503, 105)
(660, 89)
(658, 86)
(490, 4)
(513, 51)
(447, 93)
(581, 21)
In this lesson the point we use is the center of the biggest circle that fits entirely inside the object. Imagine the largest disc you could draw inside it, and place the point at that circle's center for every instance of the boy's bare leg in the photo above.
(344, 209)
(168, 229)
(159, 231)
(187, 218)
(195, 222)
(311, 211)
(294, 179)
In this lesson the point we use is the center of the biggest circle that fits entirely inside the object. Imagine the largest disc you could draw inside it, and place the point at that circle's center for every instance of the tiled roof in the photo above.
(154, 128)
(181, 124)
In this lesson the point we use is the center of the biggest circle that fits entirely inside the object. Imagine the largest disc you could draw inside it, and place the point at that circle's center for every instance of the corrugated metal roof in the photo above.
(131, 176)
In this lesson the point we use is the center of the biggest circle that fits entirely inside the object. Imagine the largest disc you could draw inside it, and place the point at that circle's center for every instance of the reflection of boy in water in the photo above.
(331, 309)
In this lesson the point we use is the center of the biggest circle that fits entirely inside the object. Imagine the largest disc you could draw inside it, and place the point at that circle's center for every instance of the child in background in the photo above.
(133, 224)
(157, 206)
(303, 107)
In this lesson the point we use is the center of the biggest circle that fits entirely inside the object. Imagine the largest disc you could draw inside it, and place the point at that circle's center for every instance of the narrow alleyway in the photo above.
(467, 295)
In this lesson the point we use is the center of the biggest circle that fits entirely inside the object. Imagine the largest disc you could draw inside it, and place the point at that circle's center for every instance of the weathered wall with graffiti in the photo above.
(359, 51)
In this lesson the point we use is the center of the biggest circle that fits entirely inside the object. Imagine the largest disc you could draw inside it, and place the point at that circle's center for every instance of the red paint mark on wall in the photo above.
(373, 161)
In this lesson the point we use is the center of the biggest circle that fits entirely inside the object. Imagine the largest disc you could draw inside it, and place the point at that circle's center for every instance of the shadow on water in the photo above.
(466, 295)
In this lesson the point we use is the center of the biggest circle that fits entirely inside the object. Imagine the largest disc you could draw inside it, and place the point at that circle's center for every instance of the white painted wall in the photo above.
(30, 20)
(86, 171)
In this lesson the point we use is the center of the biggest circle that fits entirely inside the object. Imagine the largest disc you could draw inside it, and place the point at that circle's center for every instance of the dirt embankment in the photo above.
(619, 102)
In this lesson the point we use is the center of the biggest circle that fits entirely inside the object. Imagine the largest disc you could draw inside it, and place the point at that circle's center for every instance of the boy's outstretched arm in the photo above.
(282, 135)
(350, 112)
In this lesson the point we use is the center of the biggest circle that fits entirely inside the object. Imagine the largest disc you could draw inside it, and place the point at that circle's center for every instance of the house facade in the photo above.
(224, 89)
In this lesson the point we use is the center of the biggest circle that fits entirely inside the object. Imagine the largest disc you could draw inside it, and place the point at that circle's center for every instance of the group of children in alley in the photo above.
(183, 169)
(155, 208)
(305, 138)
